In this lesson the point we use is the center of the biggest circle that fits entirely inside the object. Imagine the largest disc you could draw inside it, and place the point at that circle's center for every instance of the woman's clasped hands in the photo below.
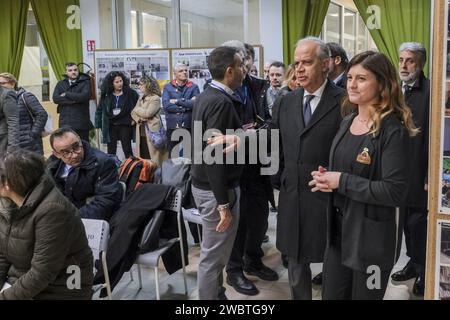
(324, 181)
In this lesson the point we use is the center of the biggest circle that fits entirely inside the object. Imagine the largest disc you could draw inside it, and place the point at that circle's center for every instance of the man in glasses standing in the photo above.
(72, 95)
(83, 173)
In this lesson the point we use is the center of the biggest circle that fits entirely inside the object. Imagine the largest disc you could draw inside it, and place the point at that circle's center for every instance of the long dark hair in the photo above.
(107, 86)
(391, 99)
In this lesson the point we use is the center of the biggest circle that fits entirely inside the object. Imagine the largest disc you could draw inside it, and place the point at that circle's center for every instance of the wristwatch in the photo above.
(223, 207)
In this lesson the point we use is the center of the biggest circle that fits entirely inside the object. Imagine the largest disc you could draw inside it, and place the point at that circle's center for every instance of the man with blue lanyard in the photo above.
(247, 253)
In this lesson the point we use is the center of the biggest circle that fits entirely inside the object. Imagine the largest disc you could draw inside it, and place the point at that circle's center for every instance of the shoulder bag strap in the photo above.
(28, 108)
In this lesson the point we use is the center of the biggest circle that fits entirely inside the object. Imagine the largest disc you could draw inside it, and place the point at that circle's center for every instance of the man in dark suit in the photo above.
(416, 88)
(308, 120)
(254, 210)
(338, 64)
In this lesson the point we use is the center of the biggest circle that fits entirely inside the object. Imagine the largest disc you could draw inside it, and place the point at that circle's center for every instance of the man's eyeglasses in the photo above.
(75, 148)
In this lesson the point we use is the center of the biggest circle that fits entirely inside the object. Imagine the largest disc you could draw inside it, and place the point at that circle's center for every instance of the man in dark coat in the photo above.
(338, 64)
(9, 121)
(247, 254)
(72, 96)
(416, 89)
(308, 119)
(86, 176)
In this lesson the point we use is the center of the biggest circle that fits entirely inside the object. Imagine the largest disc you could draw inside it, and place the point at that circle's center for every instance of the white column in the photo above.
(245, 15)
(175, 27)
(124, 23)
(271, 29)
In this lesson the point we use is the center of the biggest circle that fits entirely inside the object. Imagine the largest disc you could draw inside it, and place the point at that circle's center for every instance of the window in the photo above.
(362, 42)
(213, 22)
(349, 33)
(346, 27)
(186, 34)
(34, 72)
(333, 24)
(154, 31)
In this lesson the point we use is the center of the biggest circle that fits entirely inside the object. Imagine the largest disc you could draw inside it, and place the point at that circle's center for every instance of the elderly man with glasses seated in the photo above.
(86, 176)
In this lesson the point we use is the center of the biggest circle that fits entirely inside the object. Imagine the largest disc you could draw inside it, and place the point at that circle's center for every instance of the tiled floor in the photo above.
(171, 287)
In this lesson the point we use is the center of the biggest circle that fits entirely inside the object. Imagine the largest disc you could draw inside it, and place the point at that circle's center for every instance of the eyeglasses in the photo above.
(75, 148)
(72, 70)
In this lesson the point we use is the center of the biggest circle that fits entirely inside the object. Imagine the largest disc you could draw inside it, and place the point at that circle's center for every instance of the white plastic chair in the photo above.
(97, 232)
(151, 259)
(192, 215)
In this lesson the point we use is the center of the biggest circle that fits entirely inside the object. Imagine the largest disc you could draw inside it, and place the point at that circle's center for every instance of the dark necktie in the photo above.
(407, 91)
(307, 109)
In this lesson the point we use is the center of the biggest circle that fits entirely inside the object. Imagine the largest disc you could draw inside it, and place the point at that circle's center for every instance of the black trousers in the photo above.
(84, 134)
(415, 229)
(252, 228)
(144, 153)
(343, 283)
(125, 135)
(299, 279)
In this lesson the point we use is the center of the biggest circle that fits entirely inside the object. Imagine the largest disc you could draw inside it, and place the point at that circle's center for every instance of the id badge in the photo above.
(116, 111)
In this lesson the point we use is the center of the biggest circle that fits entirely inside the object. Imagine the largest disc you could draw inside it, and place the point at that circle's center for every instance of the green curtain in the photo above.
(301, 18)
(399, 21)
(59, 26)
(13, 26)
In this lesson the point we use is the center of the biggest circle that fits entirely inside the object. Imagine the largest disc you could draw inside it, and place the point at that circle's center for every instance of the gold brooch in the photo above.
(364, 157)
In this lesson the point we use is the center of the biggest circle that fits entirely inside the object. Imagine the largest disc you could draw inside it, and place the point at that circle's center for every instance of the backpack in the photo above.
(136, 171)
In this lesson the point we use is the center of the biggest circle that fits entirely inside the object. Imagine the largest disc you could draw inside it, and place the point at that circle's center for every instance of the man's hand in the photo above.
(173, 101)
(225, 220)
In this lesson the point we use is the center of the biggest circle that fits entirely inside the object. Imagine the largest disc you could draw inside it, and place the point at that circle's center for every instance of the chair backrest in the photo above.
(97, 232)
(174, 203)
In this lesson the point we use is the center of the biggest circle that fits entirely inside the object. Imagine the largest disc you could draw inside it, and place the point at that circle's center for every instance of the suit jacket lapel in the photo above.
(326, 104)
(299, 113)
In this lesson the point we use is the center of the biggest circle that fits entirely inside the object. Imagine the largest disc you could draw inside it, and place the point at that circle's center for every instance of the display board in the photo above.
(134, 63)
(159, 63)
(196, 60)
(438, 244)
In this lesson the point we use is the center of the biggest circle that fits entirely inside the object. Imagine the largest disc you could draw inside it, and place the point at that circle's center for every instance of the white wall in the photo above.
(271, 29)
(90, 28)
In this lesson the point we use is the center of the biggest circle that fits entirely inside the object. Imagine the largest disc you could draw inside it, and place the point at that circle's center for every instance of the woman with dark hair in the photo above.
(32, 116)
(367, 176)
(44, 252)
(113, 114)
(147, 115)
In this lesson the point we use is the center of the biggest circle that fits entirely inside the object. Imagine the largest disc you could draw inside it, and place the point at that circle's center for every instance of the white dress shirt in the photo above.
(317, 96)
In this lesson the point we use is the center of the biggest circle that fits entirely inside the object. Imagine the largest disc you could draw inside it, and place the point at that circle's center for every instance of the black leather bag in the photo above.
(150, 236)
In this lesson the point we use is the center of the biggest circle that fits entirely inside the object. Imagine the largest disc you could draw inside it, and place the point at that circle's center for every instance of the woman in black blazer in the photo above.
(368, 180)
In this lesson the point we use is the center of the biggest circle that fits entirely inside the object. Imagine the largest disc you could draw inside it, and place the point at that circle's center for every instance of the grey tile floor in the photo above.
(172, 288)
